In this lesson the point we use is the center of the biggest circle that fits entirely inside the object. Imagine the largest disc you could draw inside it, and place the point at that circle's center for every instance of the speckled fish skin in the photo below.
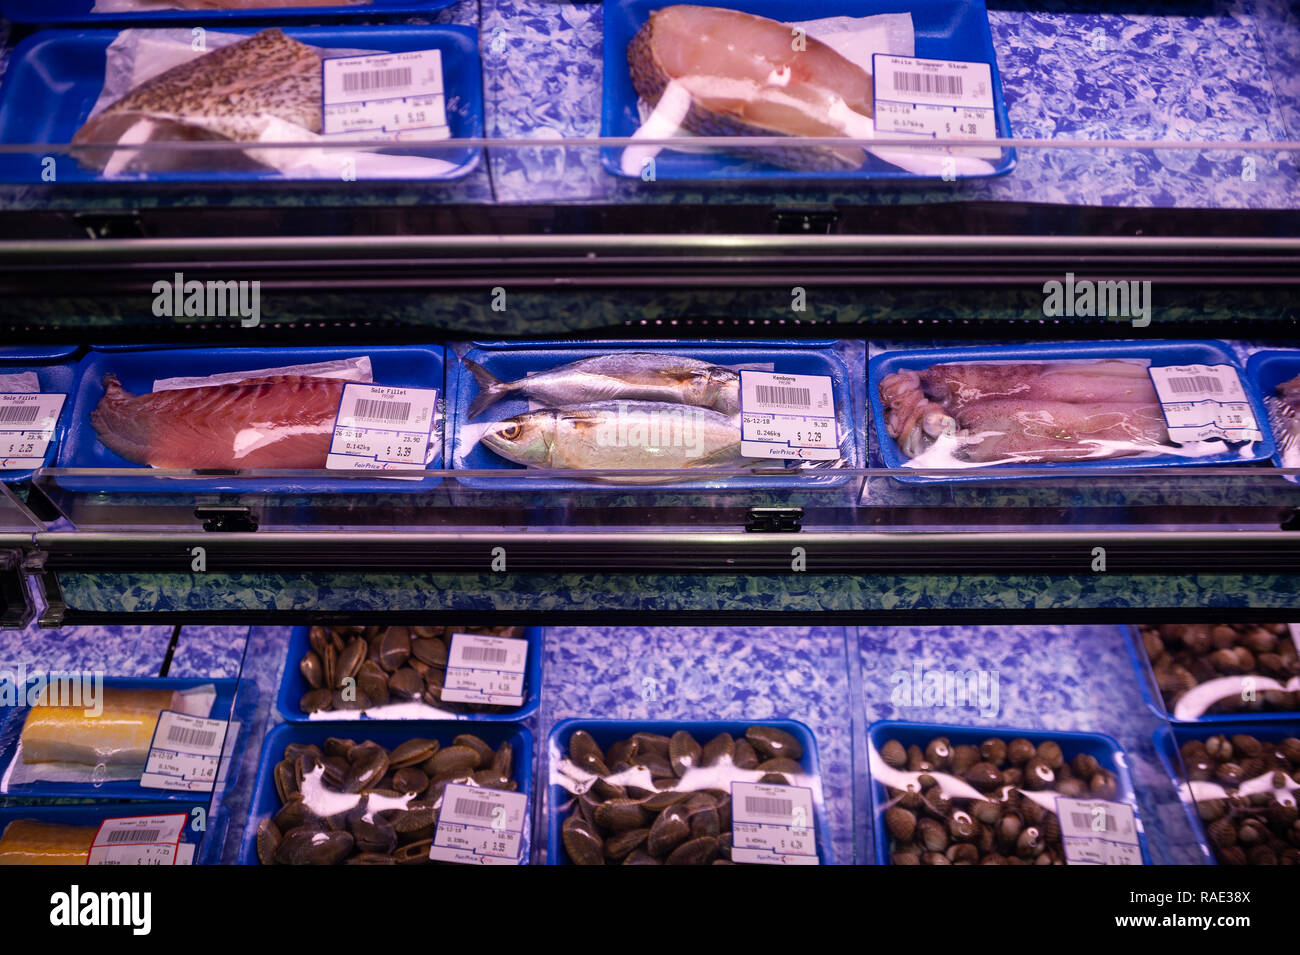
(636, 376)
(619, 435)
(224, 94)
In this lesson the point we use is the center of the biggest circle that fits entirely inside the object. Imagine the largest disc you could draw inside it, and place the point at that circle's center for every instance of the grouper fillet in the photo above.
(227, 94)
(118, 735)
(279, 421)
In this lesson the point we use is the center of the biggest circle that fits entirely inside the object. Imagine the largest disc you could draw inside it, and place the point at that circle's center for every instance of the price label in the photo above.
(1097, 832)
(788, 416)
(772, 824)
(27, 422)
(1204, 402)
(485, 669)
(396, 96)
(936, 99)
(480, 826)
(187, 752)
(383, 429)
(141, 840)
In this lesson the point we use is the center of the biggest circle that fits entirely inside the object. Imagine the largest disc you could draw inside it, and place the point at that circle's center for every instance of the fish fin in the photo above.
(491, 388)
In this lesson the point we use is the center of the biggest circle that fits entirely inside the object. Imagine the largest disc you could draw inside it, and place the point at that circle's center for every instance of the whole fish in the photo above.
(227, 94)
(639, 376)
(618, 435)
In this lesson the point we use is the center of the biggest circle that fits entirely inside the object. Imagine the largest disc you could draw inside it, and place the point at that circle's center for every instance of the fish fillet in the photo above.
(746, 77)
(280, 421)
(29, 842)
(223, 95)
(1029, 430)
(1284, 414)
(119, 736)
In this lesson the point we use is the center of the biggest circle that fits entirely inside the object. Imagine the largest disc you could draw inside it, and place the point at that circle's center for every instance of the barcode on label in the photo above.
(394, 78)
(191, 737)
(485, 654)
(472, 807)
(19, 413)
(1084, 821)
(768, 806)
(1196, 383)
(134, 835)
(933, 83)
(785, 397)
(386, 411)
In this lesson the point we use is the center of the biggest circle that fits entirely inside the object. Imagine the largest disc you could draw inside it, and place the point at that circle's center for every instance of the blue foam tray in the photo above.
(79, 11)
(54, 376)
(607, 732)
(55, 77)
(401, 366)
(510, 361)
(944, 30)
(1155, 701)
(1160, 353)
(1169, 740)
(293, 685)
(209, 840)
(1101, 747)
(265, 801)
(11, 728)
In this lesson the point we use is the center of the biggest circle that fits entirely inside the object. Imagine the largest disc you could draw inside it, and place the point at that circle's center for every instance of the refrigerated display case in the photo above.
(940, 433)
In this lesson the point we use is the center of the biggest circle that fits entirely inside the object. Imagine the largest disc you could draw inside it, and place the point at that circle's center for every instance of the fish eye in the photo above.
(510, 431)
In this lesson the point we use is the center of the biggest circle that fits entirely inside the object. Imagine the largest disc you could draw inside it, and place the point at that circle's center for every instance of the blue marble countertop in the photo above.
(1226, 73)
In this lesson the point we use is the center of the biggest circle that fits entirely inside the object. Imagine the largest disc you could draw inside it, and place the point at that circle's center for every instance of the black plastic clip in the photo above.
(226, 520)
(775, 520)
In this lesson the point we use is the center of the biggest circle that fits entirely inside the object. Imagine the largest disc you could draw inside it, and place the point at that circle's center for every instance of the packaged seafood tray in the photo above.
(651, 792)
(927, 69)
(84, 92)
(1274, 376)
(1217, 673)
(135, 833)
(32, 417)
(110, 739)
(1239, 791)
(381, 814)
(652, 405)
(1015, 797)
(404, 672)
(1119, 404)
(285, 417)
(208, 11)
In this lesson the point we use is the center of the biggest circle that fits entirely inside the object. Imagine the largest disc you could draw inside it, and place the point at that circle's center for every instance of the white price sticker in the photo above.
(186, 752)
(480, 826)
(397, 96)
(27, 422)
(382, 429)
(772, 824)
(1097, 832)
(1203, 402)
(484, 669)
(936, 99)
(788, 416)
(141, 840)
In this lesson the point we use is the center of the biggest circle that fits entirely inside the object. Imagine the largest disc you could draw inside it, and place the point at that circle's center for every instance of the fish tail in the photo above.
(491, 388)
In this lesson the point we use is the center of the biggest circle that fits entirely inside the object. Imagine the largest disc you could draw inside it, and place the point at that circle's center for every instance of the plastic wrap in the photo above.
(1239, 790)
(653, 793)
(949, 795)
(1217, 672)
(133, 833)
(399, 673)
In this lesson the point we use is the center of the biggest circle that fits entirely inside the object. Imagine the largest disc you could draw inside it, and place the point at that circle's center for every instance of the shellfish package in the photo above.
(81, 735)
(335, 408)
(1111, 404)
(173, 104)
(687, 408)
(747, 68)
